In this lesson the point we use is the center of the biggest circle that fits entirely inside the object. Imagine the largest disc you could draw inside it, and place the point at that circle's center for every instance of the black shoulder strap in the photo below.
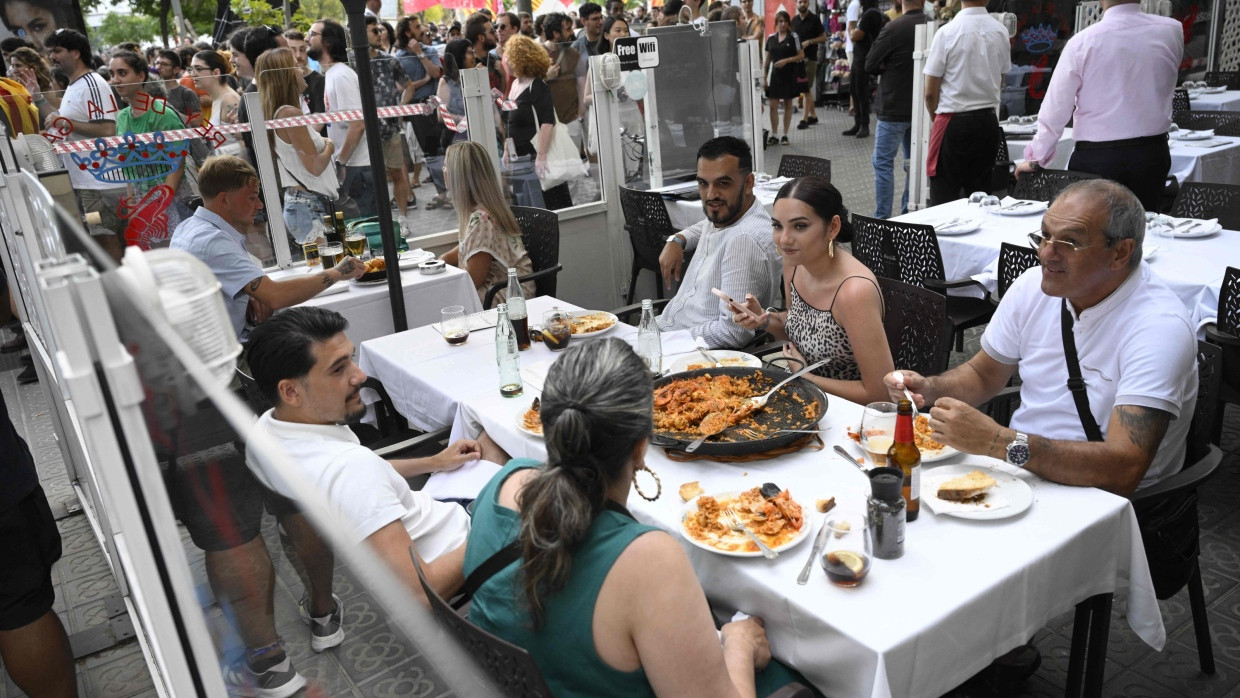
(1076, 384)
(489, 568)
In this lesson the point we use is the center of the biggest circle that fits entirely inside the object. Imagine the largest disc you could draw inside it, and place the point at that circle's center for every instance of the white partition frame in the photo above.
(919, 129)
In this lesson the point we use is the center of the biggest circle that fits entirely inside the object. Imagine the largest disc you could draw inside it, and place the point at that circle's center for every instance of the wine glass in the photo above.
(848, 549)
(990, 203)
(976, 198)
(878, 430)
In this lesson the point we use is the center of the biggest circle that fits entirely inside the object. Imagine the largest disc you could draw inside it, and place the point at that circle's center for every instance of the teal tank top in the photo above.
(564, 646)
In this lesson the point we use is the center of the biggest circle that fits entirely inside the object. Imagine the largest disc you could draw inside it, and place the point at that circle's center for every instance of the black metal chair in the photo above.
(1179, 101)
(391, 436)
(869, 246)
(510, 667)
(1204, 201)
(1224, 78)
(1226, 334)
(803, 166)
(1224, 123)
(1167, 511)
(916, 259)
(540, 233)
(1014, 260)
(1045, 185)
(916, 327)
(1004, 170)
(648, 225)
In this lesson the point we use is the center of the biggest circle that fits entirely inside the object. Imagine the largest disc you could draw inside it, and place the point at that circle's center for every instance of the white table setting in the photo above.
(685, 212)
(366, 306)
(1214, 99)
(964, 592)
(1191, 259)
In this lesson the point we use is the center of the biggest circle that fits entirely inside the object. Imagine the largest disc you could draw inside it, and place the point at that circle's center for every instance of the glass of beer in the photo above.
(878, 430)
(848, 549)
(453, 325)
(310, 249)
(557, 329)
(331, 254)
(355, 243)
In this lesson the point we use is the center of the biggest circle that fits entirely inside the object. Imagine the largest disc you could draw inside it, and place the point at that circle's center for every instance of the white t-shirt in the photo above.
(1136, 347)
(340, 92)
(90, 99)
(851, 16)
(361, 487)
(970, 53)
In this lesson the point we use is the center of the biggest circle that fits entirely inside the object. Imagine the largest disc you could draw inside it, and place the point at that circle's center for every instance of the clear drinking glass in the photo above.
(848, 549)
(453, 326)
(331, 254)
(878, 430)
(355, 243)
(989, 203)
(976, 197)
(557, 329)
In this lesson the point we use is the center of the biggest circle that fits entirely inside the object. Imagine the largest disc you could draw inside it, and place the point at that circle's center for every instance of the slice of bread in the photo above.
(966, 488)
(689, 490)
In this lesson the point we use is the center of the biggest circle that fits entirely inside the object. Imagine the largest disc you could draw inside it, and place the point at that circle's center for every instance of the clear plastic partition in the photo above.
(220, 574)
(694, 95)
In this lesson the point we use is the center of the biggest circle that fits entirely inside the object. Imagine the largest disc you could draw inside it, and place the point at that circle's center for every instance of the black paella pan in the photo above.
(798, 405)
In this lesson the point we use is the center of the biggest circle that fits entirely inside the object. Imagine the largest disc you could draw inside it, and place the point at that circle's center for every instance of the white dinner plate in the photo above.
(726, 358)
(376, 282)
(1030, 209)
(412, 258)
(936, 456)
(966, 226)
(521, 424)
(1017, 493)
(583, 335)
(1199, 231)
(691, 505)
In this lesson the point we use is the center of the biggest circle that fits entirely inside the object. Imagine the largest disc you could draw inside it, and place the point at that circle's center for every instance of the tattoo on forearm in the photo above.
(326, 279)
(1145, 426)
(346, 267)
(255, 283)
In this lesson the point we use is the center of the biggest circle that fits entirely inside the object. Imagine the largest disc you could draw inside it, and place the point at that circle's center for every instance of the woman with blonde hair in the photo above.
(490, 239)
(211, 70)
(529, 126)
(33, 72)
(302, 155)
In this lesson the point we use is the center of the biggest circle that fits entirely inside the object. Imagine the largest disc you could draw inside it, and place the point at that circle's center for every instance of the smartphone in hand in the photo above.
(734, 305)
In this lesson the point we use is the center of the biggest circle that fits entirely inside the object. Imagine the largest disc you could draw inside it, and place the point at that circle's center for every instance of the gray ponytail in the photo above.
(596, 406)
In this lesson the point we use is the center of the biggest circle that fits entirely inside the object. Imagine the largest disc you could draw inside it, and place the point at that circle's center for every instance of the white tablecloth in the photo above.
(1222, 101)
(685, 213)
(369, 313)
(1189, 163)
(964, 592)
(1193, 269)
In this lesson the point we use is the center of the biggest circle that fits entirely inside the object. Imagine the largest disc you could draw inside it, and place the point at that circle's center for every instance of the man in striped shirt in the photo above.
(733, 249)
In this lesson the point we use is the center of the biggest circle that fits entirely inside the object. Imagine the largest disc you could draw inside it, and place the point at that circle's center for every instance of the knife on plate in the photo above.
(813, 553)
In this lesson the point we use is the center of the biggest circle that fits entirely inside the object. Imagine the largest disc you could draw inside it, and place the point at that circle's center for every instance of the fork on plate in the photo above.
(733, 521)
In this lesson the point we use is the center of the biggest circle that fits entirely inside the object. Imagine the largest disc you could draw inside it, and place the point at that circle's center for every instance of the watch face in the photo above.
(1018, 454)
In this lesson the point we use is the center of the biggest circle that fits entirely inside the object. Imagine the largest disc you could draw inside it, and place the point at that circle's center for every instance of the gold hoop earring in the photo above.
(658, 483)
(831, 248)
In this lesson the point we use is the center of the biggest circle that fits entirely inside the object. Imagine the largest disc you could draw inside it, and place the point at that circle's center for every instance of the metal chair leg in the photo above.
(1076, 656)
(1201, 622)
(1099, 634)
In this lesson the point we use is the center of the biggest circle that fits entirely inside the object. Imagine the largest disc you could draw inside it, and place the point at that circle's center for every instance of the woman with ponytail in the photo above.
(834, 302)
(605, 605)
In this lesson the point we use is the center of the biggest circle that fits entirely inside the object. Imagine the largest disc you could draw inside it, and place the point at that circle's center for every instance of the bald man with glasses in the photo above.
(1122, 426)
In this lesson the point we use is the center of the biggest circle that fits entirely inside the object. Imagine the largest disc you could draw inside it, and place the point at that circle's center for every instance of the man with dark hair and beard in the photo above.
(303, 364)
(733, 249)
(329, 46)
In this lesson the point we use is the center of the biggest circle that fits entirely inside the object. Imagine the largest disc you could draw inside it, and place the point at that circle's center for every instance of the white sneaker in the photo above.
(325, 632)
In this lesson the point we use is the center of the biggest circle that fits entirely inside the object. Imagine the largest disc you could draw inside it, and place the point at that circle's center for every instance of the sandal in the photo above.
(433, 204)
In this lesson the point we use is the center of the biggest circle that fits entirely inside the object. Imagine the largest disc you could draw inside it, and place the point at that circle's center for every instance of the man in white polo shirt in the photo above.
(1136, 349)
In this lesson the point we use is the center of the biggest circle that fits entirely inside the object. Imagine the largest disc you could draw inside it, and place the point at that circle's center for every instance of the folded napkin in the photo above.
(1190, 134)
(678, 342)
(536, 373)
(332, 290)
(1188, 225)
(463, 483)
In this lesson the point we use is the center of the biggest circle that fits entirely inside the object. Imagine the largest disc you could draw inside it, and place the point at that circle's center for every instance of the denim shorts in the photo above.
(301, 209)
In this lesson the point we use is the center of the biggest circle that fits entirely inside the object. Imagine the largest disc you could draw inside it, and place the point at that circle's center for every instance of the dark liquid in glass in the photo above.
(511, 390)
(522, 327)
(458, 337)
(840, 573)
(556, 338)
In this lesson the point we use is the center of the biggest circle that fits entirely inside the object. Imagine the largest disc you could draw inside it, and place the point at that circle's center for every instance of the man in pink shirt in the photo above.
(1115, 80)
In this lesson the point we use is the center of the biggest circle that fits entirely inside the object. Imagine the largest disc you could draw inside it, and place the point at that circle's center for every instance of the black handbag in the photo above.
(1169, 528)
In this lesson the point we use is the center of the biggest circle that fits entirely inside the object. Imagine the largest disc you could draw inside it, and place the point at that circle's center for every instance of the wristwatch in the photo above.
(675, 237)
(1018, 450)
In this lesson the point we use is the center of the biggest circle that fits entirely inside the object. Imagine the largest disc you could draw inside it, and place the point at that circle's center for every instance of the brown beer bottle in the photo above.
(904, 455)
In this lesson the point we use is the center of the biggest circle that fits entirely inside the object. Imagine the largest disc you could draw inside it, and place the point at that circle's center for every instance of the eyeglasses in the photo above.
(310, 34)
(1037, 240)
(165, 64)
(199, 68)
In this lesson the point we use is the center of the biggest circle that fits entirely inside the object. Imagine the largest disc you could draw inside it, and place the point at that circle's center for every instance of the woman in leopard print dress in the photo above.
(835, 308)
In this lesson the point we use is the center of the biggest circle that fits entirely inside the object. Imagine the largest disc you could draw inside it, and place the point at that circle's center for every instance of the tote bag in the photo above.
(563, 158)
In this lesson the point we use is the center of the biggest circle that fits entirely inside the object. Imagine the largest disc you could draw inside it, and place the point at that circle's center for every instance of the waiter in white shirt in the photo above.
(964, 76)
(1115, 80)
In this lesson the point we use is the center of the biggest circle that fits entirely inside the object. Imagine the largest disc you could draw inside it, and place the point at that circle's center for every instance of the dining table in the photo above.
(964, 592)
(685, 210)
(1227, 100)
(1214, 159)
(366, 307)
(1193, 267)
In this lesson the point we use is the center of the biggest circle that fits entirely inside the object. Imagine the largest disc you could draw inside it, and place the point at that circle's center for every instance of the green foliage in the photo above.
(116, 28)
(256, 12)
(321, 9)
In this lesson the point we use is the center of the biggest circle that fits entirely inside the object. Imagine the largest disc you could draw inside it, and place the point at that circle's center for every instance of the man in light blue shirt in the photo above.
(229, 187)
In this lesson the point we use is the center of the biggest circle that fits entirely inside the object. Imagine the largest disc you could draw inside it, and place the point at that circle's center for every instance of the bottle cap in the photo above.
(885, 483)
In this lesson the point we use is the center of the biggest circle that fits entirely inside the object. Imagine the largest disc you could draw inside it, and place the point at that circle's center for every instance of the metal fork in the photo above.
(733, 521)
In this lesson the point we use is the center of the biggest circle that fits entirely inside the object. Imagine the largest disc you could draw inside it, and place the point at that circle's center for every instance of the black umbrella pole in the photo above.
(355, 10)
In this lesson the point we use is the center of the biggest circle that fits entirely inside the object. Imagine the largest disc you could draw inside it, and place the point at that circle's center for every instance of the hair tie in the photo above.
(569, 404)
